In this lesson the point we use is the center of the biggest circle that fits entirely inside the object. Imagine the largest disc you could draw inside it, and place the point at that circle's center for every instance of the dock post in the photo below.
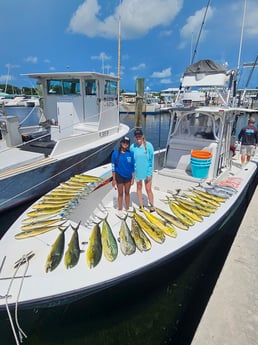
(139, 102)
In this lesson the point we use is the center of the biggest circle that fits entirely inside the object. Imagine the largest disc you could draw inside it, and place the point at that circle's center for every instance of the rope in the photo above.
(28, 115)
(21, 333)
(24, 259)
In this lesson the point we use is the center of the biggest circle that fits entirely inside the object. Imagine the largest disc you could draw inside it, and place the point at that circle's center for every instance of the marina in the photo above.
(157, 261)
(178, 268)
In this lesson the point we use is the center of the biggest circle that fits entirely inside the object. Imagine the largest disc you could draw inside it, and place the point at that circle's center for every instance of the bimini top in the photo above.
(204, 73)
(68, 74)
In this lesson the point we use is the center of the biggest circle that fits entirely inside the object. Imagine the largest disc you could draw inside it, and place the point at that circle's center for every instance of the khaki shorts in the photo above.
(247, 150)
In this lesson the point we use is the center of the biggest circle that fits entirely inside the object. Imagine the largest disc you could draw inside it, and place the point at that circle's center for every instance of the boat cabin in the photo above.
(78, 101)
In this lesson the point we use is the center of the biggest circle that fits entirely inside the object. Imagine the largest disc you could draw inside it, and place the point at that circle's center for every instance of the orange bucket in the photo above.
(201, 154)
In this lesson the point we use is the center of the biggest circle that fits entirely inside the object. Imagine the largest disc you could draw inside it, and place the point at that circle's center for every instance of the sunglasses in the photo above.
(125, 142)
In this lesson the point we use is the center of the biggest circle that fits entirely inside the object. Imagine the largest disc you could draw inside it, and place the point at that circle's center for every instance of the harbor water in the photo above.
(165, 309)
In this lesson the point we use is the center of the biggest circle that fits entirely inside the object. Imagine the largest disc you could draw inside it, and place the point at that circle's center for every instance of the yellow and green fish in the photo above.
(152, 230)
(171, 219)
(161, 224)
(127, 244)
(109, 244)
(57, 251)
(141, 240)
(73, 251)
(37, 231)
(94, 250)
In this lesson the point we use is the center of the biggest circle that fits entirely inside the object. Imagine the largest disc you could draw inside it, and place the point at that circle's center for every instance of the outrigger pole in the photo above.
(198, 39)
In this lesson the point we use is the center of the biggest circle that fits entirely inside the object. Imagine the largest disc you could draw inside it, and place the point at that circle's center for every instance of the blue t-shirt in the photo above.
(144, 160)
(123, 163)
(248, 135)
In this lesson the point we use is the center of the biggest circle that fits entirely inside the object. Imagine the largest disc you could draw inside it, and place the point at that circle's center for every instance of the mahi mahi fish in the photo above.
(45, 212)
(57, 251)
(37, 231)
(208, 196)
(180, 213)
(205, 199)
(151, 229)
(73, 251)
(94, 250)
(164, 226)
(87, 178)
(192, 206)
(109, 244)
(35, 225)
(127, 243)
(206, 205)
(171, 219)
(141, 240)
(189, 213)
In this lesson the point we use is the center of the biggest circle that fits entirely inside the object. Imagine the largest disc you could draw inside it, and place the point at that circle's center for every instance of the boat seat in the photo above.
(180, 174)
(179, 153)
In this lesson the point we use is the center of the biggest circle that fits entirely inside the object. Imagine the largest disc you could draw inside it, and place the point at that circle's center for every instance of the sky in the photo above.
(158, 38)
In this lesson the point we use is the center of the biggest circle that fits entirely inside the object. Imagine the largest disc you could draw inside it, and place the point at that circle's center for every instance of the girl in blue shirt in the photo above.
(144, 162)
(123, 172)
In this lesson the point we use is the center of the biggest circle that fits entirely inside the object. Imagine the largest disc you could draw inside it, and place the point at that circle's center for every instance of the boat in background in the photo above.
(198, 185)
(151, 105)
(78, 129)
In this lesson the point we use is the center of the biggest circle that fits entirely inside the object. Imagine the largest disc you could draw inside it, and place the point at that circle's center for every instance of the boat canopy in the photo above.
(204, 73)
(63, 75)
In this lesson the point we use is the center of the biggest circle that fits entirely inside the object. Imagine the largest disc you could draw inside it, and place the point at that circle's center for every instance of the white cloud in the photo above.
(166, 81)
(139, 67)
(32, 59)
(193, 25)
(137, 19)
(166, 33)
(251, 27)
(163, 74)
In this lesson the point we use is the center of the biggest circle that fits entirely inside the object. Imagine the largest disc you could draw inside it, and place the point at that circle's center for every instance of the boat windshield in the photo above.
(110, 87)
(63, 87)
(197, 125)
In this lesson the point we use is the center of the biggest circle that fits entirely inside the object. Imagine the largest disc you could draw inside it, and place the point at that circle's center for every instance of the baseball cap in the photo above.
(138, 132)
(125, 139)
(251, 119)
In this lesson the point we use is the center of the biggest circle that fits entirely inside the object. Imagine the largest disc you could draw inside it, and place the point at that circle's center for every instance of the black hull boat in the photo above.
(78, 129)
(72, 245)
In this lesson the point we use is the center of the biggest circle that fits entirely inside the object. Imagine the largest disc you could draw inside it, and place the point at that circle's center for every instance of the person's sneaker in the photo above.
(120, 214)
(152, 208)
